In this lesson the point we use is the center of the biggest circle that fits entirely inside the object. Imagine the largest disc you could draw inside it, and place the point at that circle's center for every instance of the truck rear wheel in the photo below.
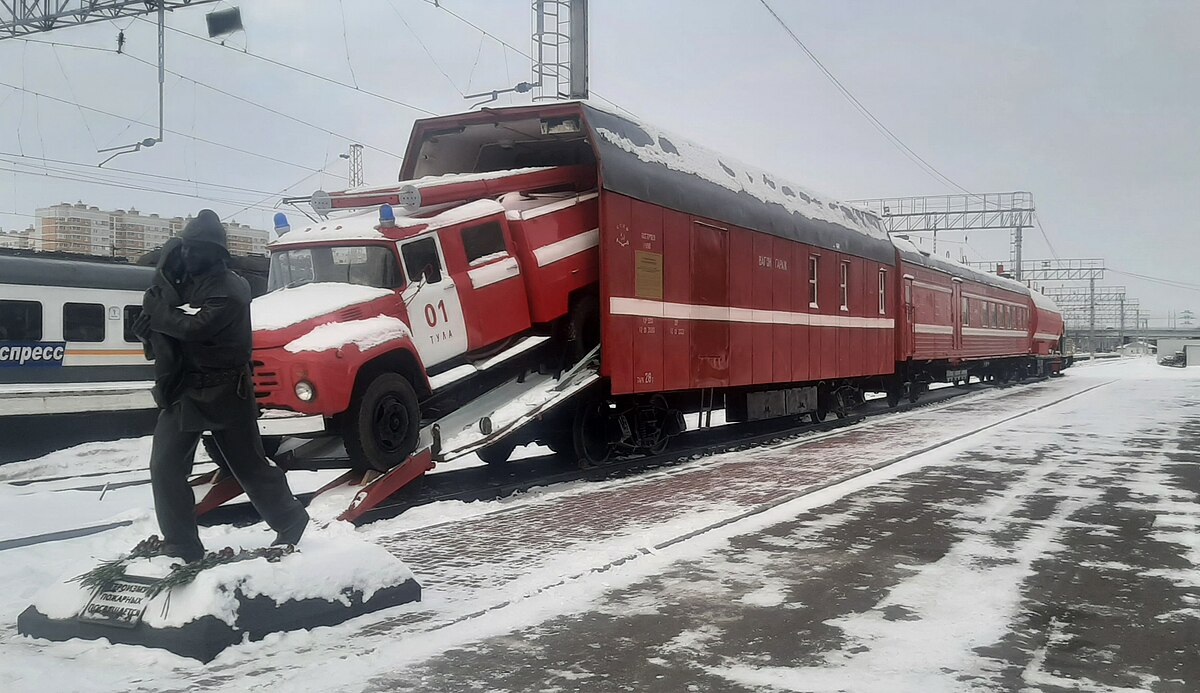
(383, 423)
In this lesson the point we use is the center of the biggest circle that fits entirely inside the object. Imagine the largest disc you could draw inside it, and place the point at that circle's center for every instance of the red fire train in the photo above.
(569, 232)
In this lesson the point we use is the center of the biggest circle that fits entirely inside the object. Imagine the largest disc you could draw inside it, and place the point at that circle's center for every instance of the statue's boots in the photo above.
(291, 533)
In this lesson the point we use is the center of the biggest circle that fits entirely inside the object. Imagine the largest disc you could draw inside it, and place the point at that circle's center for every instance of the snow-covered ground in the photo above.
(1037, 537)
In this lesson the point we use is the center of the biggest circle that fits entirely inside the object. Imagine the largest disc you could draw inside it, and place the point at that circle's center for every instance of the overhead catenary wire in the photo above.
(916, 158)
(91, 169)
(1157, 280)
(236, 97)
(300, 70)
(425, 48)
(173, 132)
(126, 186)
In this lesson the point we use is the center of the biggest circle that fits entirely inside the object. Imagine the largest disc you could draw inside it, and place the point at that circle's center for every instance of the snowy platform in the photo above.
(333, 578)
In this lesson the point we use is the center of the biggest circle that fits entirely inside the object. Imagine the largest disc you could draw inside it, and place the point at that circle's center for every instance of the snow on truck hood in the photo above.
(365, 334)
(286, 307)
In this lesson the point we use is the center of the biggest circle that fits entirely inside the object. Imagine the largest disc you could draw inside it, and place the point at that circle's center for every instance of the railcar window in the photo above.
(845, 286)
(131, 313)
(420, 256)
(983, 310)
(966, 311)
(882, 291)
(812, 280)
(483, 240)
(20, 321)
(83, 322)
(995, 317)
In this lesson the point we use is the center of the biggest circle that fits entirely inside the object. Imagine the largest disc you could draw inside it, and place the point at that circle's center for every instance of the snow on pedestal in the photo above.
(332, 577)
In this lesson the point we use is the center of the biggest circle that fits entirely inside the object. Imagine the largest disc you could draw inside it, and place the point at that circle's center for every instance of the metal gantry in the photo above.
(1060, 270)
(1009, 211)
(24, 17)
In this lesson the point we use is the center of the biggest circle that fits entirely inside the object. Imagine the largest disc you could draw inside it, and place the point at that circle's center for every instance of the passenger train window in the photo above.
(983, 310)
(483, 240)
(845, 286)
(83, 322)
(420, 256)
(966, 311)
(20, 321)
(131, 314)
(812, 281)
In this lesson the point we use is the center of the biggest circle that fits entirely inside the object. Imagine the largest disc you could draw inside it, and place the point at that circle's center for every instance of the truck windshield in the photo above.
(366, 265)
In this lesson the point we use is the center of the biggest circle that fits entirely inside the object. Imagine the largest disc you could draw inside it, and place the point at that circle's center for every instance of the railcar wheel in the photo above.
(661, 411)
(497, 453)
(590, 432)
(894, 393)
(914, 392)
(822, 411)
(382, 424)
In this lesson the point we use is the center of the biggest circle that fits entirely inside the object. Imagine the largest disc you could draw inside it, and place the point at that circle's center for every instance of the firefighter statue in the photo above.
(195, 324)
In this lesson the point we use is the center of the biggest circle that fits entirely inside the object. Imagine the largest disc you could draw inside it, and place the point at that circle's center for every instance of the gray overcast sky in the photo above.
(1092, 106)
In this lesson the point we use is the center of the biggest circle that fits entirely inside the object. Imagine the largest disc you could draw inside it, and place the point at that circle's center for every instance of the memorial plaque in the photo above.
(121, 605)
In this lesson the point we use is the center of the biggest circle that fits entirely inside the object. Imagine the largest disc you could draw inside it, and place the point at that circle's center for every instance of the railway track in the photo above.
(492, 482)
(483, 483)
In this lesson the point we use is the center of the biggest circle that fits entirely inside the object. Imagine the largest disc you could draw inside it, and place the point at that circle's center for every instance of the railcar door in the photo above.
(434, 312)
(956, 314)
(909, 336)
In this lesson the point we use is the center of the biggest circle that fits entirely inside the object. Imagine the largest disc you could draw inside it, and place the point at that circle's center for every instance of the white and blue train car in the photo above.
(65, 334)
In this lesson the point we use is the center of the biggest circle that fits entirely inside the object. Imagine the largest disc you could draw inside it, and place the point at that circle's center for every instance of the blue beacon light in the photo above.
(281, 224)
(387, 217)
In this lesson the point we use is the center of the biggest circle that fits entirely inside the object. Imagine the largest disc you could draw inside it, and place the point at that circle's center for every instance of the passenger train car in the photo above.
(68, 321)
(957, 322)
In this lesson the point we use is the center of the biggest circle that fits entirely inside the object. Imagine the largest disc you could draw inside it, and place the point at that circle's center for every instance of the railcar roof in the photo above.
(911, 253)
(649, 164)
(40, 271)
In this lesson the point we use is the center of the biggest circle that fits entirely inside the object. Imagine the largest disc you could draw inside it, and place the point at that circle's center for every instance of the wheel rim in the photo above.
(391, 423)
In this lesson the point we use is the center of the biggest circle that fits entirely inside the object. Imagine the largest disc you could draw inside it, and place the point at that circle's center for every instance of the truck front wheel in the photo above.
(381, 427)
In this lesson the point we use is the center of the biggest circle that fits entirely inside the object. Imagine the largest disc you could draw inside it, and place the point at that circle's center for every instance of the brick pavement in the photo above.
(489, 560)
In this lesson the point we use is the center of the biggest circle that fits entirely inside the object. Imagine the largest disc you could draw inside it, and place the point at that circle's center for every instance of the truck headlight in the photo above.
(305, 391)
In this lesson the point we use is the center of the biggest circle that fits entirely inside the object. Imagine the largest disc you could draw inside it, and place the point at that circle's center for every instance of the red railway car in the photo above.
(957, 322)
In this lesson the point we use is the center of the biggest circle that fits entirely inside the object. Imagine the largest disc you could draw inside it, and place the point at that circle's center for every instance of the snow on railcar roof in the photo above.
(681, 154)
(1044, 302)
(911, 252)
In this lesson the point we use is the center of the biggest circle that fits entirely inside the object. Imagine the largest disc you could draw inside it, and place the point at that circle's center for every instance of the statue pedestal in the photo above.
(332, 578)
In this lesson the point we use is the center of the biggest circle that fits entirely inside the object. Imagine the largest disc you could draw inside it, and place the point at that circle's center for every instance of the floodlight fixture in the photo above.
(222, 22)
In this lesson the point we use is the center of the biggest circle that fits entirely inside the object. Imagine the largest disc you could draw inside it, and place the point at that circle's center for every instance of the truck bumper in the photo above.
(277, 422)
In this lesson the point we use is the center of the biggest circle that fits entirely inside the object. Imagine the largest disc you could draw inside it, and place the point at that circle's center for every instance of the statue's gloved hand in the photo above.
(153, 303)
(140, 326)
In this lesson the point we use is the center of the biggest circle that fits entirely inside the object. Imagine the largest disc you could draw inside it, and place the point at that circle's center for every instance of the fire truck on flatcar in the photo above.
(564, 274)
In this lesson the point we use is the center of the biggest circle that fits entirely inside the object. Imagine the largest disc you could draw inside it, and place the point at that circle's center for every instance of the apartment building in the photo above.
(79, 228)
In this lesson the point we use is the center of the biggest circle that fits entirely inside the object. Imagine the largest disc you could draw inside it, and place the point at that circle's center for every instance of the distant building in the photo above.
(1136, 349)
(18, 240)
(78, 228)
